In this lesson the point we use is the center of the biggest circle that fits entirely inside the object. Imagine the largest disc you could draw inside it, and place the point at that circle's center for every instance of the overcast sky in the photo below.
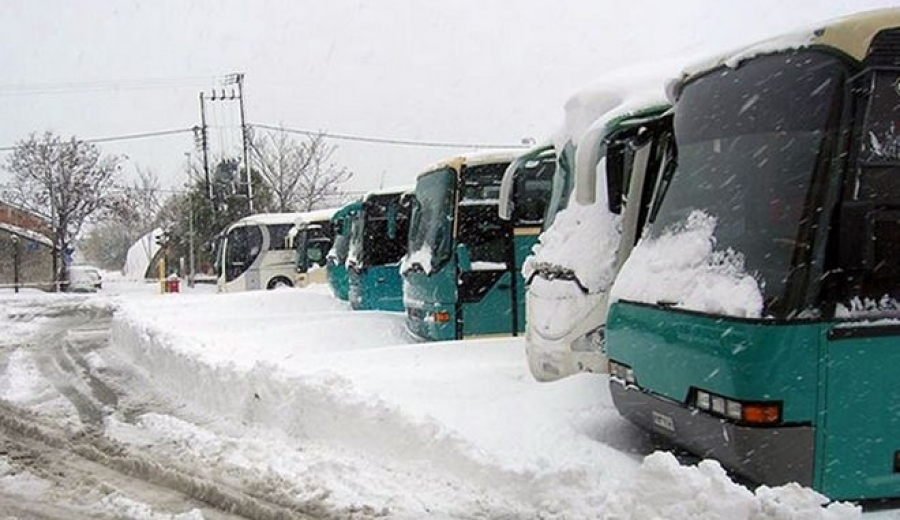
(472, 71)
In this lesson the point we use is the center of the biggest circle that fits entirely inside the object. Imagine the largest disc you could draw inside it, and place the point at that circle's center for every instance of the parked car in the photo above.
(84, 278)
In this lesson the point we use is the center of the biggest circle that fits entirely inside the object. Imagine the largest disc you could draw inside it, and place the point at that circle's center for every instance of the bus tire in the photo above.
(279, 281)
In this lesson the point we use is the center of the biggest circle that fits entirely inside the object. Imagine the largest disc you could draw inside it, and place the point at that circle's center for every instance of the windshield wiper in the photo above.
(552, 272)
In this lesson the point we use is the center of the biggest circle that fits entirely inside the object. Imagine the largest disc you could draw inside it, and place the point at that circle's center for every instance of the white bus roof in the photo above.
(476, 158)
(269, 219)
(851, 34)
(318, 215)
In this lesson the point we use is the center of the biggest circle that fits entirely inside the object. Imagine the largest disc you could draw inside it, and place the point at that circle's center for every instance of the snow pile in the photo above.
(140, 254)
(583, 240)
(624, 87)
(421, 258)
(665, 489)
(338, 406)
(682, 268)
(884, 307)
(120, 506)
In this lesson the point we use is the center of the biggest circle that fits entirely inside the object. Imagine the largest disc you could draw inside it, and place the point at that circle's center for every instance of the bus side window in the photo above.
(871, 231)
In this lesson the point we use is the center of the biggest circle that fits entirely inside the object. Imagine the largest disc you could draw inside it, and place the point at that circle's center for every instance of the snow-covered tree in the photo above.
(66, 180)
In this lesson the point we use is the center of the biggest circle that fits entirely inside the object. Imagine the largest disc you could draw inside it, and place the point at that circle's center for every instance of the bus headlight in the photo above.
(623, 373)
(755, 413)
(703, 400)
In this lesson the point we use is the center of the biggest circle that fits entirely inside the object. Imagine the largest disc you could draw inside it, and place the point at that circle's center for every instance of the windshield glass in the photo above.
(481, 184)
(386, 230)
(748, 144)
(243, 245)
(563, 181)
(432, 221)
(534, 180)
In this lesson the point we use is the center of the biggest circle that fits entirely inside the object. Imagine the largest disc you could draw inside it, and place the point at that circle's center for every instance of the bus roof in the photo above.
(475, 159)
(390, 191)
(637, 84)
(851, 35)
(265, 219)
(319, 215)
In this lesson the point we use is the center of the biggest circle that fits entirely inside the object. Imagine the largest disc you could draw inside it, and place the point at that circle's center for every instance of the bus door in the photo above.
(532, 187)
(861, 408)
(485, 296)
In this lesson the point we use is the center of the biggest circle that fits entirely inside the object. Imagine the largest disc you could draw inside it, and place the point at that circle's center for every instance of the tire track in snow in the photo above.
(60, 351)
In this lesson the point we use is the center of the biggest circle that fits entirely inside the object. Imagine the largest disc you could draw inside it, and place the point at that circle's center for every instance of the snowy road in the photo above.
(60, 459)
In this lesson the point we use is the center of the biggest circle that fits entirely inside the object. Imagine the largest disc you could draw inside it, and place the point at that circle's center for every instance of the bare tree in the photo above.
(301, 175)
(65, 180)
(138, 205)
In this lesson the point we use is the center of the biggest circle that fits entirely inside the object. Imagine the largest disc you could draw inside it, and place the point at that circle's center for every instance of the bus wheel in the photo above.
(278, 282)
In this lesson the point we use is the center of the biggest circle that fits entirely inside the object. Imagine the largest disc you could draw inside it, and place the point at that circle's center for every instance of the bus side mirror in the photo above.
(507, 185)
(463, 258)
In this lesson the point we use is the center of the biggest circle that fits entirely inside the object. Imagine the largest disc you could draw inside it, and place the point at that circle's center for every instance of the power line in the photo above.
(387, 140)
(125, 137)
(76, 87)
(330, 135)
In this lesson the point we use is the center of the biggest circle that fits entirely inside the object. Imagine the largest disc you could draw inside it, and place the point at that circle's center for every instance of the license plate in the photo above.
(664, 421)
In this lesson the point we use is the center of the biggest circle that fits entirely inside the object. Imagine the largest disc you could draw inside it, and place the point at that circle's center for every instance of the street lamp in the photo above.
(15, 244)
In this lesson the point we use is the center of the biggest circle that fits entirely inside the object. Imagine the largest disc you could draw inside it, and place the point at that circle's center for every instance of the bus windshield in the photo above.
(243, 245)
(432, 222)
(533, 185)
(749, 141)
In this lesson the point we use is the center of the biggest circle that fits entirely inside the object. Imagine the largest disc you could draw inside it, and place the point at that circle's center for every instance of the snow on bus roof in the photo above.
(319, 215)
(390, 191)
(851, 34)
(611, 95)
(476, 158)
(268, 219)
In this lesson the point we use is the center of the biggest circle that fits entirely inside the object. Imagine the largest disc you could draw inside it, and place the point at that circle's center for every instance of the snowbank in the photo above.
(461, 423)
(682, 268)
(663, 488)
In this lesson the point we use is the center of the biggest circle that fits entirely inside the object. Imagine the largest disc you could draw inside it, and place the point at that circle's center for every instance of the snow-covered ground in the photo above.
(307, 400)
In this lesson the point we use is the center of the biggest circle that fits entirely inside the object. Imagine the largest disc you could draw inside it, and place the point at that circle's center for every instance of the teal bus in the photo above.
(460, 268)
(379, 232)
(758, 320)
(336, 266)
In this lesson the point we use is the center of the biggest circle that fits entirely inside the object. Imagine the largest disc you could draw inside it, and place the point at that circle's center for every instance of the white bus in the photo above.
(257, 251)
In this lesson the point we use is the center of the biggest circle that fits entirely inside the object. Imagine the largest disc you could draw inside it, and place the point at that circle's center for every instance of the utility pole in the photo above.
(234, 79)
(191, 271)
(15, 244)
(239, 79)
(204, 145)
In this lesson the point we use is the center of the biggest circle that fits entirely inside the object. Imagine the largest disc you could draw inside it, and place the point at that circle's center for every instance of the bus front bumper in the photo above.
(765, 455)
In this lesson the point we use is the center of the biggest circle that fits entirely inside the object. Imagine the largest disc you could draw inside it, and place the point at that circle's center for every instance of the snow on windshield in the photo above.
(583, 240)
(682, 268)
